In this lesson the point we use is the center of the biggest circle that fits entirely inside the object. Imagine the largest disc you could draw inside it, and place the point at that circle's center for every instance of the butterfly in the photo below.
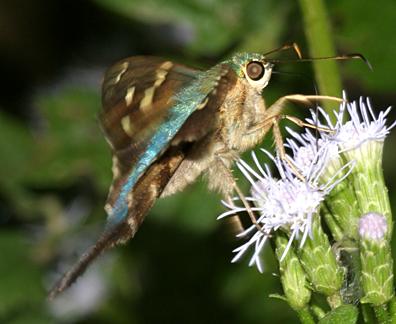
(167, 124)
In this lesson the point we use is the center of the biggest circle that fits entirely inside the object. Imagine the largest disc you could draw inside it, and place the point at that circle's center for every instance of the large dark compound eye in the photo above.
(255, 70)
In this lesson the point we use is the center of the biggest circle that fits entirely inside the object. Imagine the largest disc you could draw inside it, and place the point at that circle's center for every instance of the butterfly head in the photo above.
(254, 68)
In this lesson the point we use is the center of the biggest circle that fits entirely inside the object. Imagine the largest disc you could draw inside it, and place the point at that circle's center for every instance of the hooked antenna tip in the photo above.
(364, 59)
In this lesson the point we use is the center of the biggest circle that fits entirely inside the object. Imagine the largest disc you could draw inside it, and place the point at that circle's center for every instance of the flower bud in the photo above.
(376, 259)
(292, 275)
(319, 262)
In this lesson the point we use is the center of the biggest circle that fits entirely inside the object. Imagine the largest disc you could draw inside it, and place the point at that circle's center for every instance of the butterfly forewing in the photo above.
(136, 95)
(146, 103)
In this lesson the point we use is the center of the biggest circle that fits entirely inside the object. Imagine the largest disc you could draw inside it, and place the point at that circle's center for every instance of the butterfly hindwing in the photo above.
(146, 193)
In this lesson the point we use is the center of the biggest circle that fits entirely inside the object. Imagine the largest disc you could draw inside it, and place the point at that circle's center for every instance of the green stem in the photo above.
(318, 33)
(332, 224)
(368, 314)
(392, 310)
(317, 310)
(382, 314)
(319, 261)
(305, 316)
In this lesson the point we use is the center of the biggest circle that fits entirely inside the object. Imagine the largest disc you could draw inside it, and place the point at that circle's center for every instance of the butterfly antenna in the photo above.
(293, 46)
(317, 118)
(342, 57)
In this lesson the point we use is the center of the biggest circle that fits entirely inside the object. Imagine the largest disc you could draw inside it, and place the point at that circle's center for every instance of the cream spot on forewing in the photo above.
(161, 73)
(147, 99)
(203, 104)
(124, 68)
(160, 76)
(166, 65)
(126, 125)
(129, 95)
(115, 168)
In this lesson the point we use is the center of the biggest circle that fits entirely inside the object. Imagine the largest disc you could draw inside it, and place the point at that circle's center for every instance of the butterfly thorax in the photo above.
(242, 109)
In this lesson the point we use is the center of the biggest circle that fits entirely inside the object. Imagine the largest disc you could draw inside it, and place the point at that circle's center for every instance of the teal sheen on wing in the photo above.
(186, 102)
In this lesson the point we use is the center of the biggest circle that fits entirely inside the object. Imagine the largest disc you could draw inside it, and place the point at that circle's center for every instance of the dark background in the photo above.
(55, 167)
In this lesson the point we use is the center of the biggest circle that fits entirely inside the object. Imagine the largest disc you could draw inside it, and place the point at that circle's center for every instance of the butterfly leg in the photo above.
(277, 106)
(301, 123)
(274, 111)
(235, 220)
(274, 115)
(278, 139)
(228, 181)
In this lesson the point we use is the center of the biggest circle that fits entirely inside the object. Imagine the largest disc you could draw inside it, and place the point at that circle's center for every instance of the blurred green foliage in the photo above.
(212, 26)
(55, 166)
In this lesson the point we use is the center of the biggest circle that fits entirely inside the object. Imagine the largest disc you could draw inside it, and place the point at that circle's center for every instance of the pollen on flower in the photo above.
(372, 226)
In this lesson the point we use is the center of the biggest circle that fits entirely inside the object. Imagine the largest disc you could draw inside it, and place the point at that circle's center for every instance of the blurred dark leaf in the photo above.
(21, 292)
(194, 209)
(17, 147)
(208, 27)
(71, 143)
(356, 27)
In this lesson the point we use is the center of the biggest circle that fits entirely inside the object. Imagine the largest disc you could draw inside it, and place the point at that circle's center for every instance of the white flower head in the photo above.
(287, 203)
(361, 126)
(364, 125)
(307, 147)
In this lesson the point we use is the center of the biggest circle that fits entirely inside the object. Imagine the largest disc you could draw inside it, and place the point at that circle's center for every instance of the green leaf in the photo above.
(209, 27)
(20, 278)
(368, 29)
(346, 314)
(278, 296)
(195, 209)
(16, 147)
(72, 143)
